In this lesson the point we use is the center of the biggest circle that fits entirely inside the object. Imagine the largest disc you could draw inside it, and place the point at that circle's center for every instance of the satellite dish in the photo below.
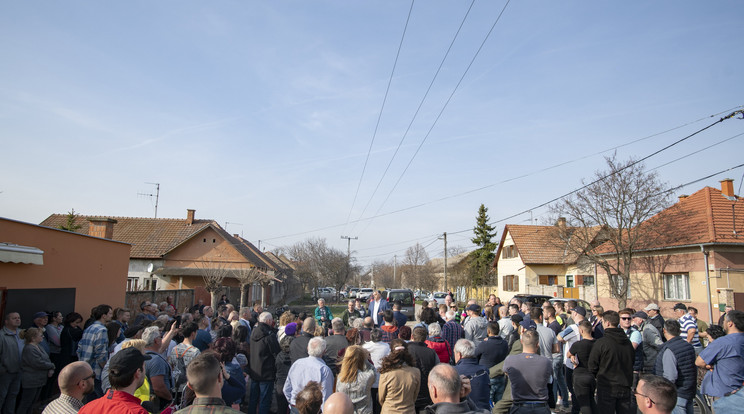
(150, 267)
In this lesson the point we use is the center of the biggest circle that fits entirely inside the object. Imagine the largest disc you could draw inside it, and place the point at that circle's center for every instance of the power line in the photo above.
(379, 116)
(415, 114)
(439, 115)
(411, 207)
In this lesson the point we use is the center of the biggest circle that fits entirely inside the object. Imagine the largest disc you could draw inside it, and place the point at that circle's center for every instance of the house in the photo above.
(47, 269)
(534, 259)
(178, 253)
(705, 242)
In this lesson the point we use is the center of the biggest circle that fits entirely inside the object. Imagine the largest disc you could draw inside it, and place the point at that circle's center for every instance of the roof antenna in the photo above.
(156, 195)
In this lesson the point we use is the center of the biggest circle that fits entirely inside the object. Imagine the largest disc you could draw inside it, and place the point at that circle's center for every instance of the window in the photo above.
(569, 281)
(131, 284)
(549, 280)
(511, 283)
(620, 282)
(677, 286)
(586, 280)
(151, 284)
(508, 252)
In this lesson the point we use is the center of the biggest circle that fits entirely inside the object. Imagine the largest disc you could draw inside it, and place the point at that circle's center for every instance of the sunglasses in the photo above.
(625, 318)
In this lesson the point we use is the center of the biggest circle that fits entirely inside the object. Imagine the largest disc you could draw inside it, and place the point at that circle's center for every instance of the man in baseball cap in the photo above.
(126, 374)
(654, 317)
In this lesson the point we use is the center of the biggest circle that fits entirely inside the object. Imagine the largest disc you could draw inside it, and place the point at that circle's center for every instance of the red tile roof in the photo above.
(707, 216)
(540, 244)
(150, 237)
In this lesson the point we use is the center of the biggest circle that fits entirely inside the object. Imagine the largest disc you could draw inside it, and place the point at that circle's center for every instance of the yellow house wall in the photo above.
(647, 284)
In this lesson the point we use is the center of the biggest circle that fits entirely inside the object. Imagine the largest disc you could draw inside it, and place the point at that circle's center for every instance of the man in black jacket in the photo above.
(298, 348)
(611, 360)
(262, 366)
(426, 359)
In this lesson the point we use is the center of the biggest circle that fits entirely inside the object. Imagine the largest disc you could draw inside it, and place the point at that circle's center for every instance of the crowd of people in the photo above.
(512, 357)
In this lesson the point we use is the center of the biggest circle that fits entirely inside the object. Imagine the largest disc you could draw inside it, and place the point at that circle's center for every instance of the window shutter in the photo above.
(579, 280)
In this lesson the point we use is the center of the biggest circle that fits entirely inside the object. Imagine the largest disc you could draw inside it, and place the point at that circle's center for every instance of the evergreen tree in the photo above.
(482, 258)
(70, 225)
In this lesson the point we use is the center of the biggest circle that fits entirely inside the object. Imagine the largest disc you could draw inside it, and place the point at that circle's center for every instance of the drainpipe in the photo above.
(596, 284)
(707, 284)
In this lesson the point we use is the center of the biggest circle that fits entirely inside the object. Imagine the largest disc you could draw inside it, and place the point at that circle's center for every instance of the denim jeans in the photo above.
(260, 396)
(559, 379)
(10, 386)
(614, 400)
(731, 404)
(569, 384)
(498, 384)
(683, 406)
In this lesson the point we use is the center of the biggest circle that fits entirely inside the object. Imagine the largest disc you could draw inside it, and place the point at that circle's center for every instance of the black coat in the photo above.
(611, 360)
(298, 348)
(264, 348)
(426, 359)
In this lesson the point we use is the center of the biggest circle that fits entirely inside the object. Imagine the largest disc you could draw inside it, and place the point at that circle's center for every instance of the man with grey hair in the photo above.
(157, 368)
(447, 389)
(245, 314)
(467, 364)
(452, 331)
(264, 348)
(311, 368)
(336, 343)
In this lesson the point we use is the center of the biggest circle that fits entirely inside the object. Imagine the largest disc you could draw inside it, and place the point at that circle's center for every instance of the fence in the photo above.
(481, 293)
(182, 298)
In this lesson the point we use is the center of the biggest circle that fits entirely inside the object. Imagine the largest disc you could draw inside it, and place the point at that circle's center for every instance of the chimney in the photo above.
(561, 223)
(101, 227)
(190, 216)
(682, 196)
(727, 187)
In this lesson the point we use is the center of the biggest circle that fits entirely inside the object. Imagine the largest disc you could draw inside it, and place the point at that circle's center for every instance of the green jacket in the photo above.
(329, 316)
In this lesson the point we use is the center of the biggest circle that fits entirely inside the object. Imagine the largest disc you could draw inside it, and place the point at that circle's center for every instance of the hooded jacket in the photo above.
(264, 348)
(476, 329)
(611, 360)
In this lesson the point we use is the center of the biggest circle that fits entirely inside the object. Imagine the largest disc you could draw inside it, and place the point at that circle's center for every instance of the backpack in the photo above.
(179, 370)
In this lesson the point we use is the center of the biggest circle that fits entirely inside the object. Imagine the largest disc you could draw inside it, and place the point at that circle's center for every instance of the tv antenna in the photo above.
(232, 222)
(156, 195)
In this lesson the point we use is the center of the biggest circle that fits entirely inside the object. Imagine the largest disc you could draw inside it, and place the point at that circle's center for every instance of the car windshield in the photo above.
(405, 298)
(440, 295)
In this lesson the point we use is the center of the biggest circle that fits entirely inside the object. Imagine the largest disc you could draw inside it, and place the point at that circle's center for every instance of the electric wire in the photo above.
(439, 115)
(415, 114)
(511, 179)
(382, 108)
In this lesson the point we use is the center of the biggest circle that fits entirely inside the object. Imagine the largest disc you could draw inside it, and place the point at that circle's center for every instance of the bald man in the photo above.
(338, 403)
(75, 381)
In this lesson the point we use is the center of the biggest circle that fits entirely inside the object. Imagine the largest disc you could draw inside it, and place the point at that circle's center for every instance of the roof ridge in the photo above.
(138, 218)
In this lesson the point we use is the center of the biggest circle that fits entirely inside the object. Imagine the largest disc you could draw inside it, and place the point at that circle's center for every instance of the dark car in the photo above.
(535, 300)
(405, 296)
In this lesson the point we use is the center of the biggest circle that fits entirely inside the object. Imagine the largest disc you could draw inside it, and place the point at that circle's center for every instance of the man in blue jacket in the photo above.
(467, 364)
(377, 307)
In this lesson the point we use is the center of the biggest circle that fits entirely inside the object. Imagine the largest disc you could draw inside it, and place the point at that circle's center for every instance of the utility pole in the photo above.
(445, 262)
(395, 266)
(348, 254)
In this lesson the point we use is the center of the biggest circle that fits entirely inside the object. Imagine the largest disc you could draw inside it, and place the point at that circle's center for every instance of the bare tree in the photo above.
(417, 269)
(384, 274)
(214, 273)
(318, 263)
(246, 276)
(607, 221)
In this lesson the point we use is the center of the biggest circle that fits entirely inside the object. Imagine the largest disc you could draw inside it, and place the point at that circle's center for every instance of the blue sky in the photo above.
(262, 113)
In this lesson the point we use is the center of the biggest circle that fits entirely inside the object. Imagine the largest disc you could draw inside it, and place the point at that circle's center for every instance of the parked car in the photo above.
(324, 293)
(353, 293)
(579, 302)
(405, 296)
(437, 297)
(536, 300)
(364, 293)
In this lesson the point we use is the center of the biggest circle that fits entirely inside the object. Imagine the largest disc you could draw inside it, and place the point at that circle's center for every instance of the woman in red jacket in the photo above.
(438, 344)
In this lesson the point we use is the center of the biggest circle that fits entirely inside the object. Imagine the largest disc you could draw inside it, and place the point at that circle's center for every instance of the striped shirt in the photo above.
(687, 322)
(63, 405)
(452, 332)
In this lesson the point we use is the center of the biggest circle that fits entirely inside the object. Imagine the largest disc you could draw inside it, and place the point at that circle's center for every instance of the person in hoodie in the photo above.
(389, 329)
(476, 326)
(262, 364)
(611, 361)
